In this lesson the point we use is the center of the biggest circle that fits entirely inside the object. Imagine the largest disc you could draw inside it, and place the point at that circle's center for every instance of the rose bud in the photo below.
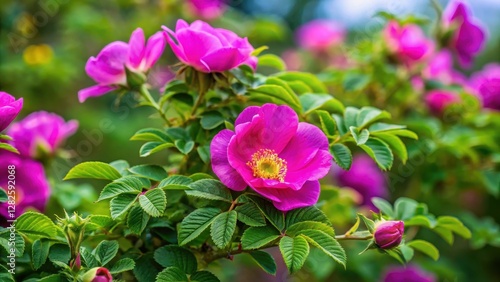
(97, 274)
(388, 234)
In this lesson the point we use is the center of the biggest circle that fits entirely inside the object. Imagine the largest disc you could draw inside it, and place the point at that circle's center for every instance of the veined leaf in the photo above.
(153, 202)
(256, 237)
(265, 261)
(210, 189)
(327, 244)
(223, 228)
(294, 252)
(341, 155)
(195, 223)
(179, 257)
(95, 170)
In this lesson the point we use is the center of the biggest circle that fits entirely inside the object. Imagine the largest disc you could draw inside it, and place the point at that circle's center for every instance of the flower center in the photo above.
(266, 164)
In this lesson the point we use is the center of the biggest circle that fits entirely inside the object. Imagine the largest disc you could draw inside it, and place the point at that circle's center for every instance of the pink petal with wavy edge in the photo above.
(288, 199)
(178, 50)
(220, 164)
(196, 45)
(109, 66)
(136, 48)
(94, 91)
(154, 49)
(247, 115)
(223, 59)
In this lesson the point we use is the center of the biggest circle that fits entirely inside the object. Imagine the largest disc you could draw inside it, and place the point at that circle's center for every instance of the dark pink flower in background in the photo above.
(207, 9)
(408, 43)
(209, 49)
(411, 273)
(108, 68)
(41, 132)
(274, 154)
(468, 37)
(32, 188)
(388, 234)
(320, 35)
(440, 68)
(438, 100)
(9, 109)
(292, 59)
(486, 84)
(365, 177)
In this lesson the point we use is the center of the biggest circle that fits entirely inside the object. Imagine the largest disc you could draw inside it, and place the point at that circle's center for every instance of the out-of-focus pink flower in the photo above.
(468, 36)
(408, 43)
(97, 274)
(365, 177)
(274, 154)
(292, 59)
(440, 68)
(319, 35)
(41, 132)
(209, 49)
(388, 234)
(207, 9)
(438, 100)
(108, 68)
(32, 188)
(159, 77)
(410, 273)
(9, 109)
(486, 83)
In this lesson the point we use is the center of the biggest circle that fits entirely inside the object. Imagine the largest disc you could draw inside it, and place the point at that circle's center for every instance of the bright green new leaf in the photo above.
(425, 247)
(95, 170)
(150, 148)
(294, 252)
(153, 172)
(273, 61)
(35, 226)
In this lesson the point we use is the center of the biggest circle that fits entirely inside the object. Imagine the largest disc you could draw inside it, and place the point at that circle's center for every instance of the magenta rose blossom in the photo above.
(319, 35)
(207, 9)
(486, 84)
(41, 132)
(209, 49)
(411, 273)
(388, 234)
(438, 100)
(108, 68)
(32, 188)
(276, 155)
(9, 109)
(365, 177)
(440, 67)
(408, 43)
(97, 274)
(468, 36)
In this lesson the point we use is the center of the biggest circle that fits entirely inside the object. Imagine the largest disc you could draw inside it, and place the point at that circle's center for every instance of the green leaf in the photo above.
(397, 146)
(446, 234)
(175, 182)
(425, 247)
(299, 87)
(125, 264)
(309, 79)
(342, 155)
(121, 166)
(265, 261)
(171, 274)
(179, 257)
(359, 137)
(383, 205)
(350, 117)
(153, 202)
(223, 228)
(275, 216)
(204, 153)
(311, 213)
(195, 223)
(355, 81)
(369, 115)
(455, 225)
(210, 189)
(420, 220)
(404, 208)
(60, 252)
(8, 147)
(298, 227)
(311, 102)
(121, 204)
(294, 252)
(126, 184)
(146, 269)
(106, 251)
(5, 236)
(273, 61)
(100, 222)
(250, 214)
(204, 276)
(379, 151)
(35, 226)
(3, 196)
(151, 134)
(256, 237)
(40, 252)
(89, 259)
(150, 148)
(211, 120)
(328, 124)
(137, 220)
(370, 224)
(327, 244)
(153, 172)
(274, 94)
(406, 251)
(94, 170)
(184, 146)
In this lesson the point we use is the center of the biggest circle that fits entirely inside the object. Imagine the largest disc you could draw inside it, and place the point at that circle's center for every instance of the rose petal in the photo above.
(223, 59)
(220, 164)
(154, 49)
(288, 199)
(197, 44)
(136, 48)
(94, 91)
(109, 66)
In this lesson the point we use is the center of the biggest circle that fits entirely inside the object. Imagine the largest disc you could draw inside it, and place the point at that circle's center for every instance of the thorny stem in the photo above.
(145, 93)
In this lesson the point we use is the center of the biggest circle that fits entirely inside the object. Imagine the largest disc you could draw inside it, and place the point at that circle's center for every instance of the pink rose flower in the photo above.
(207, 9)
(319, 35)
(388, 234)
(32, 188)
(108, 68)
(9, 109)
(97, 274)
(440, 67)
(468, 36)
(41, 132)
(486, 84)
(209, 49)
(410, 273)
(274, 154)
(438, 100)
(408, 43)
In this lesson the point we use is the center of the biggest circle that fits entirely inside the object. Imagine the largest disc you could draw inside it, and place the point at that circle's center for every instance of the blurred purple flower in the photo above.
(32, 188)
(108, 68)
(438, 100)
(319, 35)
(159, 77)
(486, 83)
(274, 154)
(408, 43)
(9, 109)
(440, 68)
(41, 132)
(292, 59)
(209, 49)
(411, 273)
(365, 177)
(207, 9)
(388, 234)
(468, 36)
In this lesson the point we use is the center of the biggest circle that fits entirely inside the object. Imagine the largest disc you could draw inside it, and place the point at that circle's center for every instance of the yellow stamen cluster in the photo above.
(266, 164)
